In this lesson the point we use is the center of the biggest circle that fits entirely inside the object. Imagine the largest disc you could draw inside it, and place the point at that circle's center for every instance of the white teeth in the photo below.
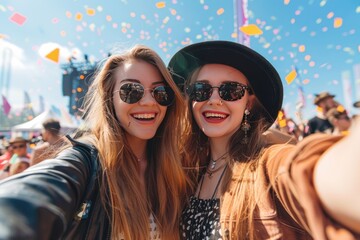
(215, 115)
(144, 115)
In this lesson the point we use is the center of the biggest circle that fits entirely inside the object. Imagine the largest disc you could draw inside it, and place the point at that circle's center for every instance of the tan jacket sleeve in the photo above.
(290, 171)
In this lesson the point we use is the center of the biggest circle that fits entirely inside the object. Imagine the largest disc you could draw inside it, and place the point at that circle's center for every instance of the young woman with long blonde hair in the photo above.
(133, 113)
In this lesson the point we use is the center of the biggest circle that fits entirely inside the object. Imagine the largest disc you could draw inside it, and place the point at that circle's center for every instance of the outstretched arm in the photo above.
(40, 202)
(337, 179)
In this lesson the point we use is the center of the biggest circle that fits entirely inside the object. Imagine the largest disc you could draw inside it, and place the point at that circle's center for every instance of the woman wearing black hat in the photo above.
(246, 186)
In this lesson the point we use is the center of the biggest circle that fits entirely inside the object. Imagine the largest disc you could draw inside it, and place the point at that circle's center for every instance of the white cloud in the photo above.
(37, 77)
(11, 55)
(65, 53)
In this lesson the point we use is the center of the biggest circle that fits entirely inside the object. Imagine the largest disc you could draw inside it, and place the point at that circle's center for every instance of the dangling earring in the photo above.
(245, 126)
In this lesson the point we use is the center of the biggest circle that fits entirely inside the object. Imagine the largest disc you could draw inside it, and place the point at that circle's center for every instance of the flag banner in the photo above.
(6, 105)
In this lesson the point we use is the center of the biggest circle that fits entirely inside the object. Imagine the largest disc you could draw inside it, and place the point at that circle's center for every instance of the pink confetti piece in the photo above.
(18, 19)
(55, 20)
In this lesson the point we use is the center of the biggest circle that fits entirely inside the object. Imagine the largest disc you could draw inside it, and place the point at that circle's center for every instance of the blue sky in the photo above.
(318, 37)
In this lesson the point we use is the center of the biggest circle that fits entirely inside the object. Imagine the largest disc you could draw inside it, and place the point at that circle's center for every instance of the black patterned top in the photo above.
(201, 219)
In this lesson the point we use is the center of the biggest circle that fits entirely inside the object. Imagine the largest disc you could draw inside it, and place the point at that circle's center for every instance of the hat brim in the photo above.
(319, 99)
(357, 104)
(262, 76)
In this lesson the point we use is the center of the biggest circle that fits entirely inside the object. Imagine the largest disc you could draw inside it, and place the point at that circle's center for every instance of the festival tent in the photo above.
(35, 125)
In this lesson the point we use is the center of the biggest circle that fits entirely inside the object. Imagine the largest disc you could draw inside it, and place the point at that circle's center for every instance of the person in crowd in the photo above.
(52, 140)
(6, 156)
(19, 146)
(340, 120)
(17, 150)
(288, 126)
(19, 165)
(133, 111)
(247, 186)
(319, 123)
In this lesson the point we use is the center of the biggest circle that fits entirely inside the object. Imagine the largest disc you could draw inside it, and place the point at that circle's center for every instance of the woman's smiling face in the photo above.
(216, 117)
(141, 119)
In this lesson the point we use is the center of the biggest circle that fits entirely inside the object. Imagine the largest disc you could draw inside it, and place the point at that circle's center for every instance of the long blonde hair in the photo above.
(166, 182)
(243, 161)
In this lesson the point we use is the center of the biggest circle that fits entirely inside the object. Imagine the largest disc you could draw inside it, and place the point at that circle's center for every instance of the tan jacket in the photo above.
(289, 207)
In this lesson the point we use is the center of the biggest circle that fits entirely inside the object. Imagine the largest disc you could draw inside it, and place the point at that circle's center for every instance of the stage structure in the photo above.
(77, 77)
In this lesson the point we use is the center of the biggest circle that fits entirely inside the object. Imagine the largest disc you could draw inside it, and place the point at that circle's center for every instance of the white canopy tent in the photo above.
(35, 125)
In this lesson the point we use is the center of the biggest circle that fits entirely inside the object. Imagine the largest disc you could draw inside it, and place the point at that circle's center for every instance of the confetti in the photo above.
(18, 19)
(337, 22)
(220, 11)
(301, 48)
(78, 16)
(330, 15)
(286, 2)
(55, 20)
(160, 4)
(251, 29)
(2, 8)
(53, 55)
(291, 77)
(90, 11)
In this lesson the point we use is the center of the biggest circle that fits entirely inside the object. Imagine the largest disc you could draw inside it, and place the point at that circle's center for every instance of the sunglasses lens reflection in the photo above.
(230, 91)
(133, 92)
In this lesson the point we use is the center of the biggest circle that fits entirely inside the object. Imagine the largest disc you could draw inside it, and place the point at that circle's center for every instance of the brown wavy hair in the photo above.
(166, 182)
(243, 160)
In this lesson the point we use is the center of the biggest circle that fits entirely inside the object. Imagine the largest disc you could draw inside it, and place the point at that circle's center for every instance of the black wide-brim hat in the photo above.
(262, 76)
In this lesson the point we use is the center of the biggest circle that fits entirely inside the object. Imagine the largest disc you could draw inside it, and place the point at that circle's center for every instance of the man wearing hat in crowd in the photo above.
(52, 141)
(324, 102)
(340, 120)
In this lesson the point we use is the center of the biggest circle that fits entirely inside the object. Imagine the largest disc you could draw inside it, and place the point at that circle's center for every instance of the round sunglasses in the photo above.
(133, 92)
(229, 91)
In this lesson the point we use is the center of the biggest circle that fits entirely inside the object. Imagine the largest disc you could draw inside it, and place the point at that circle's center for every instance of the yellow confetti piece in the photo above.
(160, 4)
(302, 48)
(78, 16)
(234, 35)
(90, 11)
(282, 123)
(251, 29)
(54, 55)
(340, 108)
(338, 22)
(290, 77)
(220, 11)
(280, 114)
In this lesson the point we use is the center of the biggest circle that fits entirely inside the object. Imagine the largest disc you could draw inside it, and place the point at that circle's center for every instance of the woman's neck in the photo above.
(218, 146)
(138, 147)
